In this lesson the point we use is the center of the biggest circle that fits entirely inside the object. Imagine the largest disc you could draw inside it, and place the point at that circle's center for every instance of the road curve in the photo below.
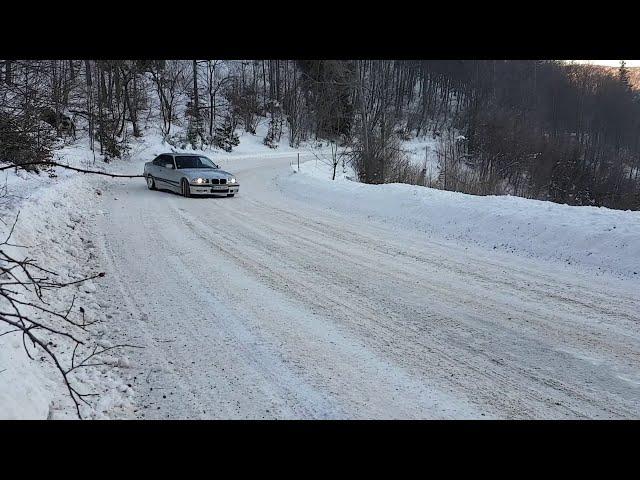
(261, 306)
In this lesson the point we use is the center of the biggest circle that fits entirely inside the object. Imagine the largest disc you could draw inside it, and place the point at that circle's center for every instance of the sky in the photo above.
(611, 63)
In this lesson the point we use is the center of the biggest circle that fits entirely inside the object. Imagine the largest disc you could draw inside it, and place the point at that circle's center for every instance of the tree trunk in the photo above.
(8, 78)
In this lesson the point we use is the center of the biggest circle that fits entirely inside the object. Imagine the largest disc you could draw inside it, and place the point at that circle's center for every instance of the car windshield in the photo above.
(193, 161)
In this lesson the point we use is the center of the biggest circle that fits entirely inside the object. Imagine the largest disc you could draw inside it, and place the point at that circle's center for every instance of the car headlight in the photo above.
(199, 180)
(232, 180)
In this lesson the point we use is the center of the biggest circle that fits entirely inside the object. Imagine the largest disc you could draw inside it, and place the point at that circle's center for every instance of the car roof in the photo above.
(178, 154)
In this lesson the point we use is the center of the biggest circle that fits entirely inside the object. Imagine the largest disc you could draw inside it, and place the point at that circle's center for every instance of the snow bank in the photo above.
(596, 238)
(25, 389)
(55, 224)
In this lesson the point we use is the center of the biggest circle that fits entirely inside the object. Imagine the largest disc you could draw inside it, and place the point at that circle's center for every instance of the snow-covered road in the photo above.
(266, 306)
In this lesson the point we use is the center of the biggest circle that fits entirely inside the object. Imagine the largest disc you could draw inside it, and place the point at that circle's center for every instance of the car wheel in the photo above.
(151, 184)
(185, 188)
(231, 195)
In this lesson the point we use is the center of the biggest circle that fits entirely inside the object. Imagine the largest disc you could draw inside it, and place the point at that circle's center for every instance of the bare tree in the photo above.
(167, 77)
(215, 82)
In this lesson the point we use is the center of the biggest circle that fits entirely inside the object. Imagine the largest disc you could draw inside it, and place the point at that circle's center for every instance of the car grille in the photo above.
(215, 181)
(223, 181)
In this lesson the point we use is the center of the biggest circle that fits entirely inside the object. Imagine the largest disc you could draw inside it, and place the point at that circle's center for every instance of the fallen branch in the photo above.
(68, 167)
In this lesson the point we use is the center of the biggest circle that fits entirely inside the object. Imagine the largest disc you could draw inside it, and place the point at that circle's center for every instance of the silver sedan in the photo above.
(189, 174)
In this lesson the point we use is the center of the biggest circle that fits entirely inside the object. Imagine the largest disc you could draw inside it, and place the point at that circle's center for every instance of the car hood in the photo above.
(205, 173)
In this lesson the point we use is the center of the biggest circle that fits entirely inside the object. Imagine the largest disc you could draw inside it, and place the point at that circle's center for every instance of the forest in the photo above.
(541, 129)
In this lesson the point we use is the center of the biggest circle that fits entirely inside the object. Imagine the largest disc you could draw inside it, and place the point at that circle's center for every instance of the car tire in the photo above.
(151, 183)
(184, 187)
(230, 194)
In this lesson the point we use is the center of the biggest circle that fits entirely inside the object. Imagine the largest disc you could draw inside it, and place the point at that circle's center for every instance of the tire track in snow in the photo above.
(331, 321)
(557, 387)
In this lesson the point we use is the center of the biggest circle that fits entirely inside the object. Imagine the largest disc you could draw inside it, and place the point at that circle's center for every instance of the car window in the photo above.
(164, 159)
(194, 161)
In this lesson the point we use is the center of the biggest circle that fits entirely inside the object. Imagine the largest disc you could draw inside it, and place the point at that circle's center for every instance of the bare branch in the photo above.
(68, 167)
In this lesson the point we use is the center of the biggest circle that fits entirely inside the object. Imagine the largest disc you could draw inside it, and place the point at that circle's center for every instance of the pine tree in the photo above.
(225, 136)
(272, 139)
(623, 75)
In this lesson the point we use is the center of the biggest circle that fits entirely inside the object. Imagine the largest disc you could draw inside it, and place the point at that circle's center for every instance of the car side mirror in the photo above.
(168, 165)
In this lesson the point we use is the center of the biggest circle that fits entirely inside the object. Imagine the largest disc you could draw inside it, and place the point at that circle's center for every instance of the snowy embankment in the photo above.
(598, 239)
(55, 225)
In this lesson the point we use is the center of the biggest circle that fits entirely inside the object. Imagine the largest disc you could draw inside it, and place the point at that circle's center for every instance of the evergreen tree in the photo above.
(623, 75)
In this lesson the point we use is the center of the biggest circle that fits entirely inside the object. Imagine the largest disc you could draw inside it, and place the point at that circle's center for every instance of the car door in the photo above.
(154, 167)
(157, 171)
(163, 173)
(173, 175)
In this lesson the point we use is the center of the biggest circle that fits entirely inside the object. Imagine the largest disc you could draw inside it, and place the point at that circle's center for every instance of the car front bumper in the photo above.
(230, 189)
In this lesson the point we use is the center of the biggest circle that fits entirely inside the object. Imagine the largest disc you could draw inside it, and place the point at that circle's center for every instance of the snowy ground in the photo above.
(55, 223)
(423, 152)
(307, 298)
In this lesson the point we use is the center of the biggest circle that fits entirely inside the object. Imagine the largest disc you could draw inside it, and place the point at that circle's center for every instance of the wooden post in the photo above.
(298, 161)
